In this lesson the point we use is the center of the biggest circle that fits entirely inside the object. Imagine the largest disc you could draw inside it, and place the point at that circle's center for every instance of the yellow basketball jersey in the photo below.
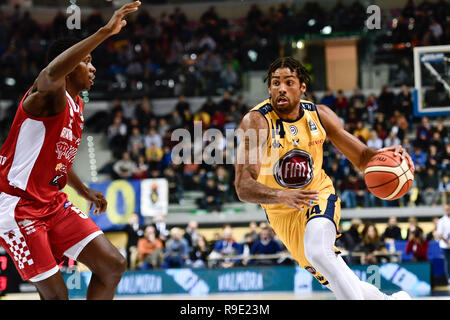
(293, 154)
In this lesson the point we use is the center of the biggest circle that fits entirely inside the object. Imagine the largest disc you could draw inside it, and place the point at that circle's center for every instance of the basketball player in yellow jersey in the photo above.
(281, 169)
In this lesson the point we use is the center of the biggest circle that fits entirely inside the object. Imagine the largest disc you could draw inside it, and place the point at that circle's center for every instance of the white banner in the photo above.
(154, 197)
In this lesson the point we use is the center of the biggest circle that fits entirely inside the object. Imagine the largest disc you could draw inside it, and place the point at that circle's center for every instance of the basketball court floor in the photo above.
(439, 293)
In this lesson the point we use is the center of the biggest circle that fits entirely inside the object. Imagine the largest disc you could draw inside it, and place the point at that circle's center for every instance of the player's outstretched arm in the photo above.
(252, 134)
(49, 88)
(357, 152)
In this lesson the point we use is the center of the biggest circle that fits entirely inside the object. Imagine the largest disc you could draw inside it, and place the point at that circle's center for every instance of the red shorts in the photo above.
(38, 245)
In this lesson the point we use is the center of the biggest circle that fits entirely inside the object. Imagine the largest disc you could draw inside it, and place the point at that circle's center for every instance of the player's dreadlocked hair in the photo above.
(59, 46)
(293, 65)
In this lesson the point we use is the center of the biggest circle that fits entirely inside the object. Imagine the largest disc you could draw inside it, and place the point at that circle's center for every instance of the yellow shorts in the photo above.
(290, 227)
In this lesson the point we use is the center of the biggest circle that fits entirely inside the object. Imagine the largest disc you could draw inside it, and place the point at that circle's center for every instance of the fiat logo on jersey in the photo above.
(294, 169)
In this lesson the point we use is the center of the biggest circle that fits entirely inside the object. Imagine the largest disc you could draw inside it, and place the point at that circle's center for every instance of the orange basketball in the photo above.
(388, 177)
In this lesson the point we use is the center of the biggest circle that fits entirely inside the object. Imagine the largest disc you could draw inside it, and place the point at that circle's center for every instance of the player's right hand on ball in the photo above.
(116, 23)
(297, 198)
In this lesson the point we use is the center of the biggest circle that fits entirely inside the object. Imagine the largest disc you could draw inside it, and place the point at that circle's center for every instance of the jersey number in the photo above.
(312, 211)
(279, 129)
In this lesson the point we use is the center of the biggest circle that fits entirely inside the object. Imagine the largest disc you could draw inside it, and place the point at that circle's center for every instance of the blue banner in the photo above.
(123, 198)
(413, 278)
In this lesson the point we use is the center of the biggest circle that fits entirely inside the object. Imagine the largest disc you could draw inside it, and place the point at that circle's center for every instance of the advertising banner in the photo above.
(144, 197)
(154, 197)
(412, 277)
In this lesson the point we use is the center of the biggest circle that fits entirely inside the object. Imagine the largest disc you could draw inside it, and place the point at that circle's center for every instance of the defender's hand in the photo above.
(400, 151)
(96, 199)
(116, 23)
(294, 198)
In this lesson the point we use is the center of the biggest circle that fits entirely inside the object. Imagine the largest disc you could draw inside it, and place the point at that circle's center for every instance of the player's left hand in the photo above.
(400, 151)
(96, 198)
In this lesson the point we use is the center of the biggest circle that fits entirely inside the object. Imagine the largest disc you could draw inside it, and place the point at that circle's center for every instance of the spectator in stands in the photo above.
(444, 189)
(434, 157)
(411, 227)
(153, 138)
(371, 107)
(445, 165)
(372, 246)
(125, 167)
(163, 127)
(222, 180)
(150, 250)
(211, 202)
(419, 159)
(135, 138)
(203, 116)
(176, 120)
(429, 184)
(117, 133)
(233, 118)
(175, 185)
(442, 130)
(417, 245)
(227, 246)
(404, 103)
(351, 239)
(392, 139)
(432, 235)
(176, 250)
(144, 113)
(153, 155)
(166, 159)
(141, 170)
(443, 234)
(374, 141)
(229, 78)
(265, 245)
(218, 119)
(129, 110)
(425, 128)
(161, 227)
(341, 104)
(361, 132)
(392, 231)
(386, 101)
(246, 247)
(356, 95)
(349, 188)
(198, 257)
(134, 231)
(253, 231)
(191, 233)
(328, 98)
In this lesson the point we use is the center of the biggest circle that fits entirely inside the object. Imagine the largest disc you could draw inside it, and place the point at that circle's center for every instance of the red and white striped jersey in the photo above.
(38, 154)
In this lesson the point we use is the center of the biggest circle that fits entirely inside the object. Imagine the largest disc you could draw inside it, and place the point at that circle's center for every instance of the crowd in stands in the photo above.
(367, 245)
(143, 147)
(154, 246)
(170, 55)
(381, 121)
(200, 53)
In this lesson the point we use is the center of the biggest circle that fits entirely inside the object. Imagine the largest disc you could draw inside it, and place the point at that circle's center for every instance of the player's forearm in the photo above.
(255, 192)
(366, 155)
(75, 182)
(67, 61)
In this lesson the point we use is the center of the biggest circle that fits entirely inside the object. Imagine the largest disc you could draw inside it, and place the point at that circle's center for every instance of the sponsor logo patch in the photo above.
(293, 129)
(66, 133)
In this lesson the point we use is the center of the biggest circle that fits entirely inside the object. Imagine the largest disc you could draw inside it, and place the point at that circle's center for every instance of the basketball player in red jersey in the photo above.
(39, 226)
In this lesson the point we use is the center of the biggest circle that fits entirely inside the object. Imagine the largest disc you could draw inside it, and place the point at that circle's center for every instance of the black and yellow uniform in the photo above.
(292, 159)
